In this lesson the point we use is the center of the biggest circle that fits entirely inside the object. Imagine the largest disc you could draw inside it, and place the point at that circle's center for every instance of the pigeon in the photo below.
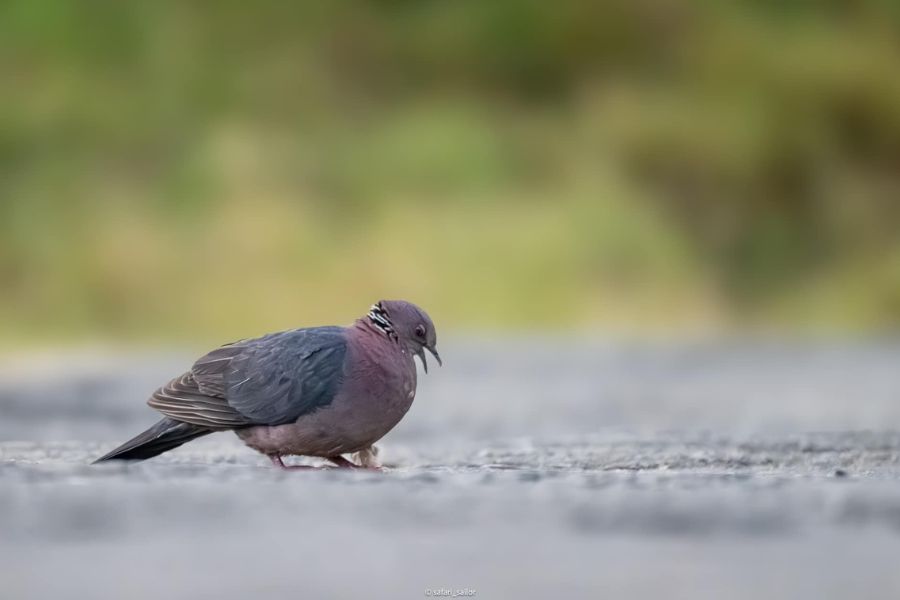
(319, 392)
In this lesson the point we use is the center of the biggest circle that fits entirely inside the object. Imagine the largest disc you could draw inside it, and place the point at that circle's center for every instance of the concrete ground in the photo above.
(527, 468)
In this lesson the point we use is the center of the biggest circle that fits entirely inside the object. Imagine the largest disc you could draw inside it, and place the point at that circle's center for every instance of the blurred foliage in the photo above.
(174, 169)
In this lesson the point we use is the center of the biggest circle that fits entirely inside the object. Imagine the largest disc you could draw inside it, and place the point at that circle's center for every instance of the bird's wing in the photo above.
(183, 399)
(270, 380)
(286, 375)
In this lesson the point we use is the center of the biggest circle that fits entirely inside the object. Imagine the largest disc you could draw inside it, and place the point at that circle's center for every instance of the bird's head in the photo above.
(409, 325)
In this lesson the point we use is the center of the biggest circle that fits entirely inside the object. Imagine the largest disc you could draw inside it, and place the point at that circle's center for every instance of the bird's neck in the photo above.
(379, 321)
(366, 326)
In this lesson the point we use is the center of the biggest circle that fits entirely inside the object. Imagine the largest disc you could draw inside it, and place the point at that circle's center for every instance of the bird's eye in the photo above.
(420, 331)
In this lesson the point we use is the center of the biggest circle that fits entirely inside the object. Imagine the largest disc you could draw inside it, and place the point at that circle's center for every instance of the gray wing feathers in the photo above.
(290, 375)
(210, 370)
(269, 380)
(183, 400)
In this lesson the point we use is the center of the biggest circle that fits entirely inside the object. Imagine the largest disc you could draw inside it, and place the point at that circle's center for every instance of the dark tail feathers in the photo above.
(163, 436)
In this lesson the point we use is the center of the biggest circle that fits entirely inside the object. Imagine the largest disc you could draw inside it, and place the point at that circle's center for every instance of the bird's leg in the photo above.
(276, 460)
(342, 462)
(368, 458)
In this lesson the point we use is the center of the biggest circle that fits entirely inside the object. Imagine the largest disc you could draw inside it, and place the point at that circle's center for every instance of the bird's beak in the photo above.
(421, 355)
(435, 354)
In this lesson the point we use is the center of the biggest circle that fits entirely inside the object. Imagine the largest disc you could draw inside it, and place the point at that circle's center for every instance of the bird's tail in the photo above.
(162, 437)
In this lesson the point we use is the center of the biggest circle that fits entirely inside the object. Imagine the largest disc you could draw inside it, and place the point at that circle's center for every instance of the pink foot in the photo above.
(276, 460)
(343, 462)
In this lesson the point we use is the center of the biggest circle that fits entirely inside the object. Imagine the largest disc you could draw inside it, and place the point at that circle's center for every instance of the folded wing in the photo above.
(270, 380)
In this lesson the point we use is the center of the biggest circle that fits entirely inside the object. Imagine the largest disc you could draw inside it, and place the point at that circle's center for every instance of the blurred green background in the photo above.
(209, 170)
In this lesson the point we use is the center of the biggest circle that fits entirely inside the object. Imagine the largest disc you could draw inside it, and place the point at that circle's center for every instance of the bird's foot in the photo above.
(338, 461)
(342, 462)
(276, 460)
(368, 458)
(367, 465)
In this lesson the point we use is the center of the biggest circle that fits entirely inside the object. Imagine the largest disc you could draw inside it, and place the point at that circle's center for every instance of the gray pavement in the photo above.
(527, 468)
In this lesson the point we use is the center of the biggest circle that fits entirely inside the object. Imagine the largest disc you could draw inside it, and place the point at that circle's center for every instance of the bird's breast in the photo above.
(379, 377)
